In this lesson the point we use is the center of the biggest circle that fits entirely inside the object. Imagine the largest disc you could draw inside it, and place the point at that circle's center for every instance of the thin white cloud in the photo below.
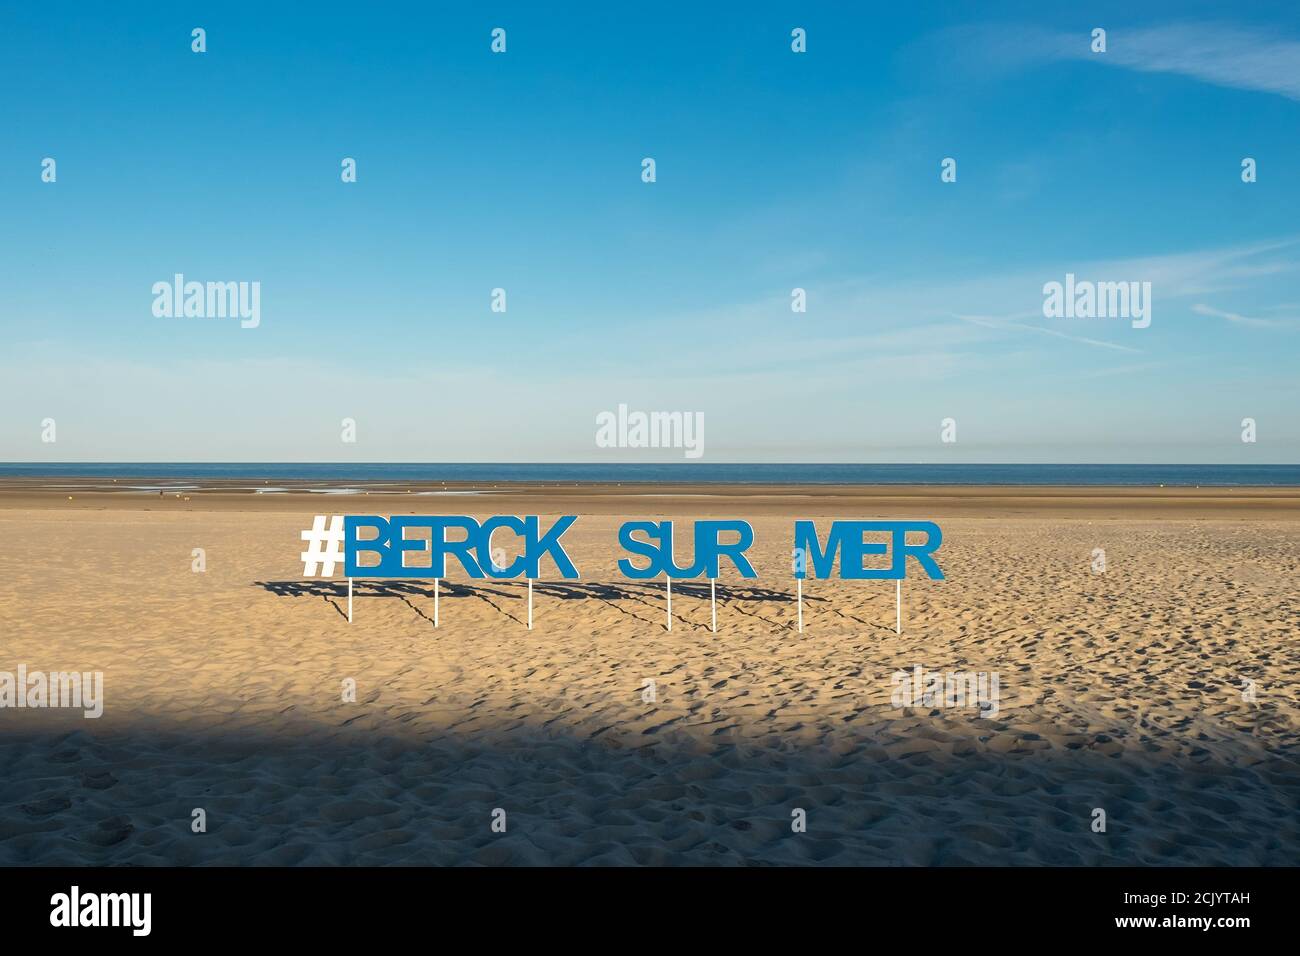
(1222, 54)
(1118, 370)
(875, 316)
(1238, 319)
(1214, 53)
(992, 322)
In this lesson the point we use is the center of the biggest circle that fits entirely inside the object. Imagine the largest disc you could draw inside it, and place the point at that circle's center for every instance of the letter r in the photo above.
(922, 552)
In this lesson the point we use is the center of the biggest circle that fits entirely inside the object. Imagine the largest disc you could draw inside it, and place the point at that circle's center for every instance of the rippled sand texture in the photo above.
(1121, 691)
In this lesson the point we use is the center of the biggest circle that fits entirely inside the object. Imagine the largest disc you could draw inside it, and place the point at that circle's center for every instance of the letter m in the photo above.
(1115, 295)
(223, 300)
(805, 538)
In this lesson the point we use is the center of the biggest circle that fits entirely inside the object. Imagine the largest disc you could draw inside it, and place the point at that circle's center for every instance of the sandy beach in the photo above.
(1163, 691)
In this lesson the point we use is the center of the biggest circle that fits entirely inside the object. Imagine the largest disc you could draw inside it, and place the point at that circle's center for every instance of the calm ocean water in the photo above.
(884, 474)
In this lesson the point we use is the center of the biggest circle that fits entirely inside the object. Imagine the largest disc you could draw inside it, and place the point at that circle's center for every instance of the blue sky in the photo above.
(775, 170)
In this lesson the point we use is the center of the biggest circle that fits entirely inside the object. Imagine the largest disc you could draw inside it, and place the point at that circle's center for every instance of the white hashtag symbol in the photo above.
(323, 545)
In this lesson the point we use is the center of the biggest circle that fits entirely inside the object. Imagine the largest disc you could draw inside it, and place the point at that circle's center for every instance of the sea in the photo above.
(1179, 475)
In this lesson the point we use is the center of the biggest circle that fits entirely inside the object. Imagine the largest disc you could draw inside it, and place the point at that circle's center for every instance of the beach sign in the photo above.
(649, 545)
